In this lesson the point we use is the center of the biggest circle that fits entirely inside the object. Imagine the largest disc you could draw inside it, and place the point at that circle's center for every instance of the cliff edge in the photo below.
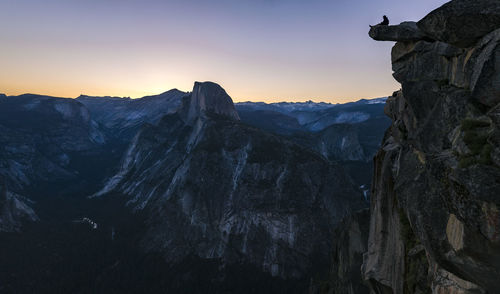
(435, 225)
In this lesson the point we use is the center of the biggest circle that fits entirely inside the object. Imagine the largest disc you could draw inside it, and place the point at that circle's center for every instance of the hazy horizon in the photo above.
(265, 50)
(298, 100)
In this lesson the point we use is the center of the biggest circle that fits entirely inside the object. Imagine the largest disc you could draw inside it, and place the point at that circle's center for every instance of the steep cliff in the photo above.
(214, 188)
(14, 210)
(44, 140)
(350, 241)
(435, 197)
(123, 117)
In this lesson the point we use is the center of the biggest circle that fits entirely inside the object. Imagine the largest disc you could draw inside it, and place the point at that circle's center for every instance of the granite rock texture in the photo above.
(217, 189)
(435, 195)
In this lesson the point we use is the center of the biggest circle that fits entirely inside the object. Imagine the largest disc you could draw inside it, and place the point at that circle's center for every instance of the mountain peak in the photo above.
(207, 97)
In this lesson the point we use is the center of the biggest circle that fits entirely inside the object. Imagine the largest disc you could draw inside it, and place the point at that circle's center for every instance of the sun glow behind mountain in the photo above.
(260, 50)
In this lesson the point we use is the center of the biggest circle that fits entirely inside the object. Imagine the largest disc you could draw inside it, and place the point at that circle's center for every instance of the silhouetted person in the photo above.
(385, 22)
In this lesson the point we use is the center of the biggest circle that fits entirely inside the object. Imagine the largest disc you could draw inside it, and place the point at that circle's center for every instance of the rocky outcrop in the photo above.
(434, 206)
(351, 238)
(207, 98)
(406, 31)
(217, 189)
(14, 210)
(462, 22)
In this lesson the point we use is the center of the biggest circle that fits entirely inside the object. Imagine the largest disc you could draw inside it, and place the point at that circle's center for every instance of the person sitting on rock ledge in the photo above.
(385, 22)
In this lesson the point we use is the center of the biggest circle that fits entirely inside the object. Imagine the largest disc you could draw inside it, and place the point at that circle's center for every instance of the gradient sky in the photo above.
(259, 50)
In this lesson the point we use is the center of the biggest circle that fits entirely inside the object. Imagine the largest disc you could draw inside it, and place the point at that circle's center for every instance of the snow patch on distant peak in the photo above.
(377, 101)
(303, 106)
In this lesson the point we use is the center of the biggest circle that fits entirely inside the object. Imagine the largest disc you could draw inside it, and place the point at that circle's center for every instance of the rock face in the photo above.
(219, 190)
(42, 139)
(462, 22)
(341, 142)
(434, 208)
(207, 98)
(351, 238)
(348, 133)
(123, 117)
(338, 142)
(14, 210)
(271, 121)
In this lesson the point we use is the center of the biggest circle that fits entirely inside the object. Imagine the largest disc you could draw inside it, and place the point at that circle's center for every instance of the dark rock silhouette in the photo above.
(406, 31)
(462, 22)
(435, 225)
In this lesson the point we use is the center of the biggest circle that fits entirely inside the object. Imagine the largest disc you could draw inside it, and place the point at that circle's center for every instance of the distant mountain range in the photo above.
(310, 116)
(349, 133)
(190, 180)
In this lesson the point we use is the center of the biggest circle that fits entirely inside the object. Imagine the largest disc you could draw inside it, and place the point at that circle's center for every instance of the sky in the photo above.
(258, 50)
